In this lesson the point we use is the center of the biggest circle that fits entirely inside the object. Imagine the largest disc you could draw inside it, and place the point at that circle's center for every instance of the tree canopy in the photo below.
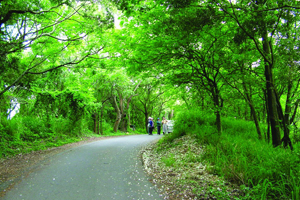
(73, 72)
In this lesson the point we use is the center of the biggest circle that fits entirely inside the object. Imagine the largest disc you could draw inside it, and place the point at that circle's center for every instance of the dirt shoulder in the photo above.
(12, 170)
(179, 172)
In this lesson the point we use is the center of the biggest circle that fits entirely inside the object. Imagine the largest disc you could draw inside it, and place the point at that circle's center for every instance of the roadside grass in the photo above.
(169, 160)
(261, 171)
(183, 172)
(27, 134)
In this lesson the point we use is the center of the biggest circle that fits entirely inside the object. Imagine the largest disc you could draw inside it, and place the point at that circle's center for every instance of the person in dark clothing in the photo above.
(148, 125)
(151, 126)
(158, 124)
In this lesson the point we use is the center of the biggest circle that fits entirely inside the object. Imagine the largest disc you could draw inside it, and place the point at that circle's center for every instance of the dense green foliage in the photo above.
(263, 172)
(229, 70)
(60, 72)
(240, 57)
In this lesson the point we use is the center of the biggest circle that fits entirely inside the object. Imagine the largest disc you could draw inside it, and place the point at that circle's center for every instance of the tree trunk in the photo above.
(239, 111)
(186, 103)
(125, 110)
(146, 120)
(256, 121)
(288, 108)
(253, 111)
(218, 121)
(118, 113)
(246, 113)
(273, 114)
(270, 86)
(101, 120)
(284, 124)
(124, 123)
(218, 107)
(146, 123)
(98, 123)
(268, 131)
(95, 122)
(128, 118)
(267, 119)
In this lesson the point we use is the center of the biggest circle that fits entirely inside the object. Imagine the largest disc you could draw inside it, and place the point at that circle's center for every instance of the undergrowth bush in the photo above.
(60, 125)
(239, 156)
(105, 126)
(30, 133)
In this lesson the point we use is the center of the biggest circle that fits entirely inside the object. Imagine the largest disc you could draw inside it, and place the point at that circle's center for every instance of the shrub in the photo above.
(60, 125)
(190, 122)
(106, 127)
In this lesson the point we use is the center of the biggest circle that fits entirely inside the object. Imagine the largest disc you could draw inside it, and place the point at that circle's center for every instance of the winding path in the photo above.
(104, 170)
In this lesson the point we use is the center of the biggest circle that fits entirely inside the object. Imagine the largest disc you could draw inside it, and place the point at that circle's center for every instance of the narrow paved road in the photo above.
(104, 170)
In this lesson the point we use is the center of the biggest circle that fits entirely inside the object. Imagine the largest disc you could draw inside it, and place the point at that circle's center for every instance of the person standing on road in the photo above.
(151, 126)
(165, 126)
(148, 125)
(158, 124)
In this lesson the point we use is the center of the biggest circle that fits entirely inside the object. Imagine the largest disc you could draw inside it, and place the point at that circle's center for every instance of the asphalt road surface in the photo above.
(104, 170)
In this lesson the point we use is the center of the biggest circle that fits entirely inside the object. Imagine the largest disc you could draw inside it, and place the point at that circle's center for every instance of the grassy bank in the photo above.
(27, 134)
(261, 171)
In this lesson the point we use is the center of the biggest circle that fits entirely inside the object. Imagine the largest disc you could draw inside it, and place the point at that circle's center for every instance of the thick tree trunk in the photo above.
(128, 118)
(117, 122)
(270, 86)
(284, 124)
(124, 123)
(273, 114)
(125, 120)
(118, 115)
(271, 93)
(267, 119)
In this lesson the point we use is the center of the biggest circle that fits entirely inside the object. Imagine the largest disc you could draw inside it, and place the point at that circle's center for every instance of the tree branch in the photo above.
(9, 14)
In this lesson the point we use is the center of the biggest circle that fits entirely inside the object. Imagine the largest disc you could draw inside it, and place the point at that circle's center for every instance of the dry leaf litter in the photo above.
(178, 172)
